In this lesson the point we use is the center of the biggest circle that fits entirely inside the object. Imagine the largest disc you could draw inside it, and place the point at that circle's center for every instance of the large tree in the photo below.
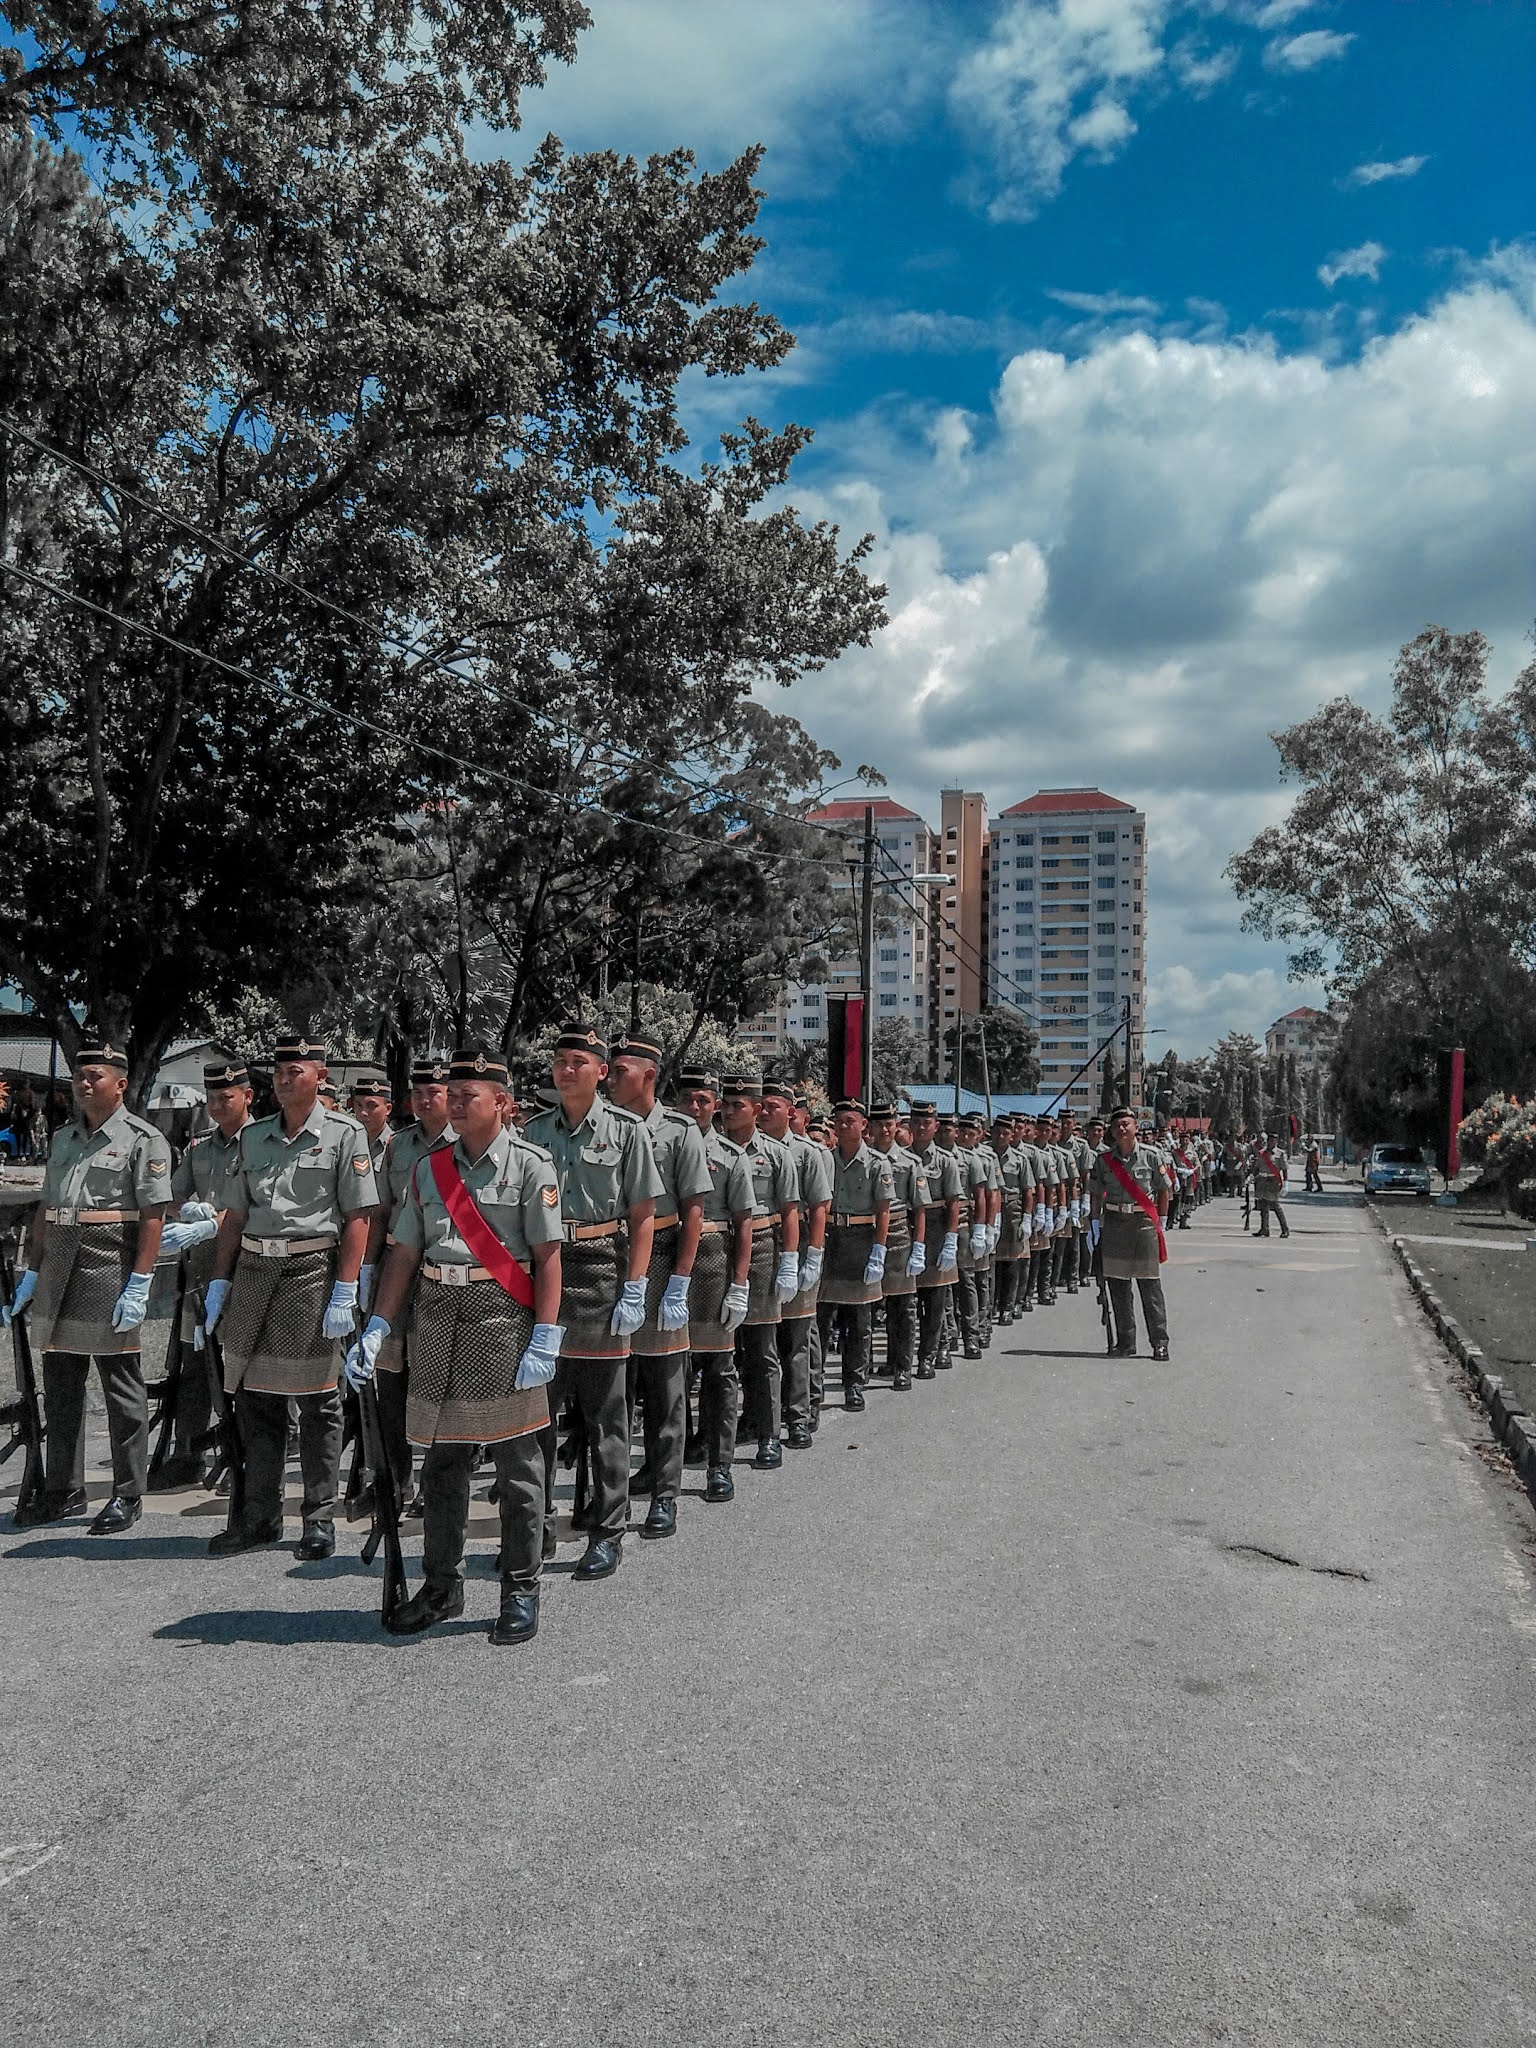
(1000, 1050)
(382, 439)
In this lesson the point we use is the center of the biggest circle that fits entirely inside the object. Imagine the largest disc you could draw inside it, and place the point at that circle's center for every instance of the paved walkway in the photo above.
(1060, 1701)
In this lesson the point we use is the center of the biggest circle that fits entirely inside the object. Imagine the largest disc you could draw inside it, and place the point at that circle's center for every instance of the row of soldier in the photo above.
(486, 1273)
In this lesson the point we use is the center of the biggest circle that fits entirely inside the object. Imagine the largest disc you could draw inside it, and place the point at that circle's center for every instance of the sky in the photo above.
(1180, 358)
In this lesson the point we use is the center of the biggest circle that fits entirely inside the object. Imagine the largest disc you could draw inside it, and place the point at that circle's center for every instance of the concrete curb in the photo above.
(1515, 1429)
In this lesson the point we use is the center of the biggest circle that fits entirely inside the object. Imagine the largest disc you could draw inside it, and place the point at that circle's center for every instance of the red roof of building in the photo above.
(1067, 800)
(852, 808)
(1303, 1016)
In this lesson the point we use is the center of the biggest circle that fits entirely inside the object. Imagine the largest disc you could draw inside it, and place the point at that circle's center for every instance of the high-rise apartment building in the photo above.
(1066, 904)
(1042, 908)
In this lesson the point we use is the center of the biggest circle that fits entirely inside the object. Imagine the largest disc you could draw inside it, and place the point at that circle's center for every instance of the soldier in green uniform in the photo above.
(198, 1186)
(369, 1100)
(91, 1256)
(719, 1296)
(1078, 1254)
(659, 1349)
(287, 1257)
(484, 1343)
(863, 1189)
(774, 1274)
(1129, 1190)
(799, 1353)
(1057, 1195)
(1012, 1239)
(430, 1132)
(941, 1231)
(608, 1189)
(975, 1235)
(906, 1247)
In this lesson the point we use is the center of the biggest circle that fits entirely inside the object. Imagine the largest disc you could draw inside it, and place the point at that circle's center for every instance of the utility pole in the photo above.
(867, 958)
(959, 1054)
(1128, 1095)
(986, 1075)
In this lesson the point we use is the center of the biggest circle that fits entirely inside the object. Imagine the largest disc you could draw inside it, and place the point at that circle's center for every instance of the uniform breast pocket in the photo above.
(599, 1168)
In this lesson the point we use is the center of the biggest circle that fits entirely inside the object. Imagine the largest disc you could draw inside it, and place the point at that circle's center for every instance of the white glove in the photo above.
(1095, 1232)
(810, 1266)
(978, 1240)
(994, 1233)
(734, 1313)
(340, 1310)
(213, 1303)
(629, 1310)
(128, 1309)
(917, 1261)
(362, 1355)
(1077, 1214)
(364, 1285)
(536, 1367)
(949, 1251)
(26, 1287)
(673, 1312)
(177, 1235)
(874, 1266)
(1049, 1225)
(198, 1212)
(786, 1281)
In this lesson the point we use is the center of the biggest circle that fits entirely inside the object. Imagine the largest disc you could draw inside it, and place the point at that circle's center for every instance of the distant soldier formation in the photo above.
(489, 1288)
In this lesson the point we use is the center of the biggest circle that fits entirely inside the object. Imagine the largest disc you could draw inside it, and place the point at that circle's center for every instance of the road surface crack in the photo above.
(1324, 1571)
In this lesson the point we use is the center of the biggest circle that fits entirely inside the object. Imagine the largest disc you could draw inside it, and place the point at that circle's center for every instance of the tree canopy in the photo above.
(409, 597)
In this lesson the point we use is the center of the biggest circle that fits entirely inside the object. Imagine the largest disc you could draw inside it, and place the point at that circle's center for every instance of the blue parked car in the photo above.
(1396, 1170)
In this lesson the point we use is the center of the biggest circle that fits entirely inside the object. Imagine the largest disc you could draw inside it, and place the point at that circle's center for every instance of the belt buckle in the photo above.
(66, 1218)
(274, 1248)
(569, 1232)
(454, 1276)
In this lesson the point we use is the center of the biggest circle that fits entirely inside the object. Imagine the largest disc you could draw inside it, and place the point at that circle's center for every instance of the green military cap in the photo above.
(925, 1109)
(226, 1073)
(699, 1077)
(298, 1045)
(99, 1051)
(429, 1072)
(885, 1112)
(478, 1063)
(747, 1086)
(802, 1102)
(849, 1105)
(370, 1081)
(636, 1046)
(579, 1036)
(781, 1091)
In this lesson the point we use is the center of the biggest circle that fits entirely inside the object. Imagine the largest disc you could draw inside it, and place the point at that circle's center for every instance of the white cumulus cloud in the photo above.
(1143, 560)
(1378, 173)
(1366, 261)
(1305, 52)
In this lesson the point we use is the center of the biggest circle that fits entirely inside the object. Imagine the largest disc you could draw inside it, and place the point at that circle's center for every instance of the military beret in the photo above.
(298, 1045)
(699, 1077)
(634, 1045)
(101, 1052)
(478, 1063)
(226, 1073)
(849, 1105)
(581, 1037)
(781, 1091)
(745, 1085)
(429, 1072)
(369, 1081)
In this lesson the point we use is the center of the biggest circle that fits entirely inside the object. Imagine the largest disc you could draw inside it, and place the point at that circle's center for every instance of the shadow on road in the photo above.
(1014, 1351)
(281, 1629)
(109, 1546)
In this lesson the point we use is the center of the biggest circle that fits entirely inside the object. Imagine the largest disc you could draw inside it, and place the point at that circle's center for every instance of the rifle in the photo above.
(23, 1416)
(165, 1392)
(387, 1501)
(231, 1439)
(1247, 1200)
(1105, 1315)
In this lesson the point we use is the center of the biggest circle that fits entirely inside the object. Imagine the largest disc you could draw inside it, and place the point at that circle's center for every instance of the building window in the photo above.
(1106, 839)
(1106, 860)
(889, 1002)
(1050, 860)
(1082, 977)
(887, 952)
(1050, 839)
(1104, 973)
(1079, 839)
(1023, 860)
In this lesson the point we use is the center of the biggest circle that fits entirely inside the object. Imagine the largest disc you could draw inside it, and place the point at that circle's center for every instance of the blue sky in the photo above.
(1181, 358)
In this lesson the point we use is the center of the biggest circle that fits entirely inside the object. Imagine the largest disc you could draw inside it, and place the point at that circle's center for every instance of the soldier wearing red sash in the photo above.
(477, 1235)
(1129, 1187)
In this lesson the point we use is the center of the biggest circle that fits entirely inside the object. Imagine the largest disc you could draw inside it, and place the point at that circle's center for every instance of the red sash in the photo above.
(1269, 1165)
(486, 1246)
(1143, 1201)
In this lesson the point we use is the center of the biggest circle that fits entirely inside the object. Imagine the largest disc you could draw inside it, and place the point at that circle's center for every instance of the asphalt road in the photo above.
(1058, 1701)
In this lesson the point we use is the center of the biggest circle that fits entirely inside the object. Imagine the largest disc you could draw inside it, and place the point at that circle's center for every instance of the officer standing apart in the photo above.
(659, 1348)
(431, 1132)
(862, 1192)
(773, 1277)
(799, 1355)
(198, 1186)
(477, 1234)
(1129, 1192)
(608, 1188)
(941, 1233)
(906, 1250)
(91, 1256)
(300, 1201)
(1268, 1165)
(720, 1293)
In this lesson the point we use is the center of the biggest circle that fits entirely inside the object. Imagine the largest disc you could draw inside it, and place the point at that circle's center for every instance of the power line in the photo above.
(411, 742)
